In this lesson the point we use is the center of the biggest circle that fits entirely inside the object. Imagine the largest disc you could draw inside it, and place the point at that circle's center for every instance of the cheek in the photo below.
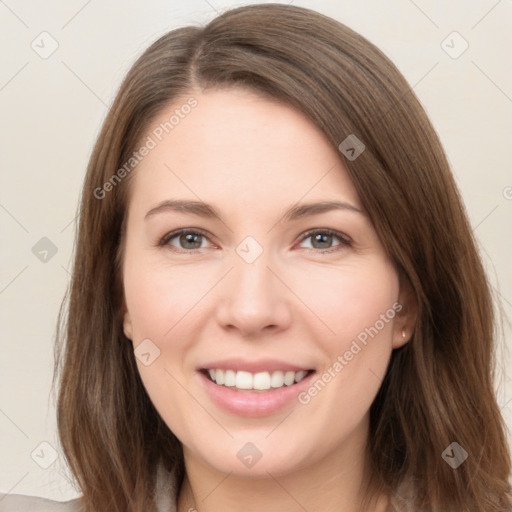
(160, 300)
(158, 296)
(359, 304)
(165, 303)
(350, 299)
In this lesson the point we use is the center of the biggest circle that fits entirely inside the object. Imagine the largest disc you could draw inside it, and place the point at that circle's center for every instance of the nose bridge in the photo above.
(252, 278)
(254, 297)
(253, 283)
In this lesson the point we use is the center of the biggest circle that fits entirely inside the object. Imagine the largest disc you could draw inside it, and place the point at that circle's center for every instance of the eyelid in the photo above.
(329, 231)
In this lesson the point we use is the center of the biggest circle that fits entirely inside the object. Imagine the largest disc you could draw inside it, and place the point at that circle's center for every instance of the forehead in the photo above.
(235, 148)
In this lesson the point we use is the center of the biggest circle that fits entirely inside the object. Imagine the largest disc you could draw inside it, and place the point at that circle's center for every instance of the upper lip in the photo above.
(261, 365)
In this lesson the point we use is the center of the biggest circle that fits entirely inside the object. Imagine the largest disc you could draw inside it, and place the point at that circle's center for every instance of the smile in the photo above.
(258, 394)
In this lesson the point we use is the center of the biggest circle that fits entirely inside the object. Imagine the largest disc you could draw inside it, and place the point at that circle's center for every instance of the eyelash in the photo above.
(343, 239)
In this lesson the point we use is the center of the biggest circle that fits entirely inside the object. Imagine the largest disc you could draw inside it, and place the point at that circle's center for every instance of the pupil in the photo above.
(190, 238)
(319, 236)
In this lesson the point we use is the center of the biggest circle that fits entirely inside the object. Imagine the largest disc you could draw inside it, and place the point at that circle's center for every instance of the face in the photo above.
(262, 327)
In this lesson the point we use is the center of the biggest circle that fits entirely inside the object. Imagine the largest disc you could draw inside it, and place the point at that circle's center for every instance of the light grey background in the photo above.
(52, 109)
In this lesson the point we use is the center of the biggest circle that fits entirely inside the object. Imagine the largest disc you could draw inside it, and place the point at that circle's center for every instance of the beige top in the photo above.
(165, 492)
(23, 503)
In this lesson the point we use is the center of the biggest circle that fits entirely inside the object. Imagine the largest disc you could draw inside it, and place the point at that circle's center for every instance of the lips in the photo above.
(253, 402)
(253, 388)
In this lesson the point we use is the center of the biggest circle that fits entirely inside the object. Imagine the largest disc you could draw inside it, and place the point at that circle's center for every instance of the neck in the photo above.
(330, 484)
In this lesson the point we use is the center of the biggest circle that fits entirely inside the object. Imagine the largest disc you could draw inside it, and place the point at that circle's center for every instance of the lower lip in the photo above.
(253, 404)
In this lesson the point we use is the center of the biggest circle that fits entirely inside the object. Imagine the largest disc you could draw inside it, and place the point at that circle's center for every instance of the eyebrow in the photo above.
(206, 210)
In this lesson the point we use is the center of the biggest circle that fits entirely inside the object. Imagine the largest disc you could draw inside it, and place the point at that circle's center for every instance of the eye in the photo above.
(188, 240)
(191, 240)
(322, 240)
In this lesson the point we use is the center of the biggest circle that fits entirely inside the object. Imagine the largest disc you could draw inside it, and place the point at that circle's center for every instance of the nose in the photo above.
(253, 298)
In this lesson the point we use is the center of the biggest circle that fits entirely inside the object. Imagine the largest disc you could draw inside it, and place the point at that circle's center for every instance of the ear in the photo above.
(405, 320)
(127, 322)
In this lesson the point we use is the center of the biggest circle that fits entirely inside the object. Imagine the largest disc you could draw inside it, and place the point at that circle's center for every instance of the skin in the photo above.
(252, 159)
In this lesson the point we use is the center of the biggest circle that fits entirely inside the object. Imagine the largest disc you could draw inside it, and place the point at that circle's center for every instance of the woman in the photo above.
(325, 342)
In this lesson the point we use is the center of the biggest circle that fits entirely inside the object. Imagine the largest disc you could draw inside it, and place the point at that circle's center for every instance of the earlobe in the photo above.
(406, 318)
(401, 335)
(127, 323)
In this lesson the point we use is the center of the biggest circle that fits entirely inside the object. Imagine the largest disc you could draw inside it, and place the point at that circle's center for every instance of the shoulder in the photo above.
(23, 503)
(166, 498)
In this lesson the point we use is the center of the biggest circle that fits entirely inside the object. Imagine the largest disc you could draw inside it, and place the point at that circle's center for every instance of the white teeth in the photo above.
(219, 376)
(229, 378)
(300, 375)
(277, 379)
(259, 381)
(243, 380)
(289, 378)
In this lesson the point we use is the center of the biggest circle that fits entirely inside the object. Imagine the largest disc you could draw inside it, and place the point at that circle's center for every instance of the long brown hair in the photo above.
(438, 388)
